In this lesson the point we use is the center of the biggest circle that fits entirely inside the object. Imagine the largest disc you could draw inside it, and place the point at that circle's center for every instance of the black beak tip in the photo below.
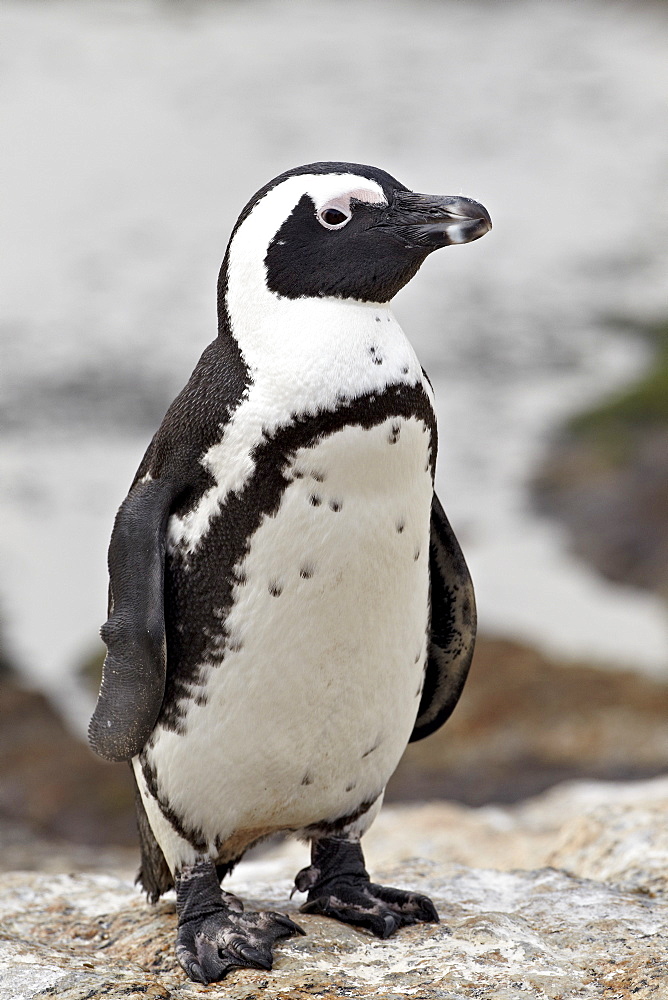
(474, 212)
(485, 216)
(469, 220)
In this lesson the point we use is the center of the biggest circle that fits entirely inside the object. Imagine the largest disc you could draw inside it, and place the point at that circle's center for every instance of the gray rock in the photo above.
(512, 924)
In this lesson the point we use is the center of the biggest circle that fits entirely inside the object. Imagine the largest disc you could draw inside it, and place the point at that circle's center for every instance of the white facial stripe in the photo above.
(254, 310)
(254, 235)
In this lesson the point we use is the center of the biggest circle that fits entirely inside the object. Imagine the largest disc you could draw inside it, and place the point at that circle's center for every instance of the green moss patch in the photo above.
(613, 426)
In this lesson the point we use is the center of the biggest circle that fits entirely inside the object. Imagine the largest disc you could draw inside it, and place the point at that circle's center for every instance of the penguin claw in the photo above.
(290, 926)
(195, 972)
(253, 957)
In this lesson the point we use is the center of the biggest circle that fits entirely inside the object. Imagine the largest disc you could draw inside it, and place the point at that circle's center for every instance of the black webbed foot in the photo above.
(215, 933)
(339, 886)
(208, 948)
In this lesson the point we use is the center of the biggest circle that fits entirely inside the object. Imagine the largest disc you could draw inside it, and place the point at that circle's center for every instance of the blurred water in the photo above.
(132, 134)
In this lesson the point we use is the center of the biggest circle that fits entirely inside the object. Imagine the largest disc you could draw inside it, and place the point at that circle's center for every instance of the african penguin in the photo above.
(288, 605)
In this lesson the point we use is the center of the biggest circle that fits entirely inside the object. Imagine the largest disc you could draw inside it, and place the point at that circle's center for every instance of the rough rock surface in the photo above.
(559, 897)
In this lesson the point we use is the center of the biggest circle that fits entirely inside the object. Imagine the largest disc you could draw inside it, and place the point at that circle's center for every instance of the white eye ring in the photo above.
(333, 216)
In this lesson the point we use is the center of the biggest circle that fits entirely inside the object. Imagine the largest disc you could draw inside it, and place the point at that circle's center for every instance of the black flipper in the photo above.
(133, 676)
(215, 933)
(339, 886)
(453, 627)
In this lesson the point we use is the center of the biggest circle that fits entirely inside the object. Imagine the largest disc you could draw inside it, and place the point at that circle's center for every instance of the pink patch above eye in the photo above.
(342, 202)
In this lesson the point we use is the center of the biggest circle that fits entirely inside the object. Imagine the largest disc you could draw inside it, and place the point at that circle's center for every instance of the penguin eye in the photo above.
(333, 218)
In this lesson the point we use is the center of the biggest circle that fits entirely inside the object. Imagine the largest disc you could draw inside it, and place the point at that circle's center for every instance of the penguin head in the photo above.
(342, 230)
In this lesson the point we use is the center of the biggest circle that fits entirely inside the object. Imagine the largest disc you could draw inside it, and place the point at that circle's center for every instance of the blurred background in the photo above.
(132, 135)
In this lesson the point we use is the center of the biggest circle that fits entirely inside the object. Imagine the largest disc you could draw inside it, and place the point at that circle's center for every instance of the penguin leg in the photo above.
(339, 886)
(215, 933)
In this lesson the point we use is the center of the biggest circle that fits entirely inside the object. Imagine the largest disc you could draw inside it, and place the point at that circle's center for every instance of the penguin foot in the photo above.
(215, 934)
(208, 949)
(339, 886)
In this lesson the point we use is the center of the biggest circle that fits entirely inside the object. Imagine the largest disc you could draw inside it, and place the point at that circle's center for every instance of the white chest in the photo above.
(306, 357)
(314, 701)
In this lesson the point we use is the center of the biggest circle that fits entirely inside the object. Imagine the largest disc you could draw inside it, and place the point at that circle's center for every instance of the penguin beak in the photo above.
(431, 221)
